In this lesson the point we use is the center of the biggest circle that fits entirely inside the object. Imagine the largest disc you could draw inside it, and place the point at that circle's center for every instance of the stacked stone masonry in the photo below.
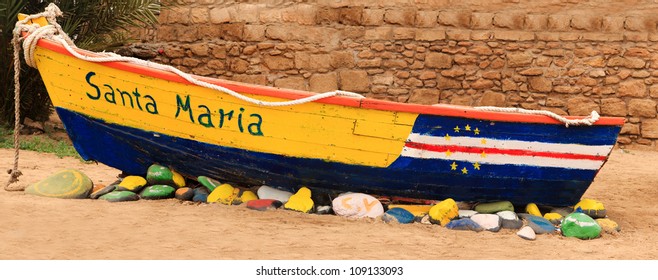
(568, 57)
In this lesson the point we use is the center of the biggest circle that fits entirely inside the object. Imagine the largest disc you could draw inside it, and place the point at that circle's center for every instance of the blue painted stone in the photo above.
(464, 224)
(538, 224)
(398, 215)
(200, 195)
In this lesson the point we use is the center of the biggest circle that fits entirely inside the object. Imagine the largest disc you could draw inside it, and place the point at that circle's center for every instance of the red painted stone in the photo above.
(264, 204)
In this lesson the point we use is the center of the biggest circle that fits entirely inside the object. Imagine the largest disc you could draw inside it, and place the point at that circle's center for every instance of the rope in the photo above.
(591, 119)
(15, 172)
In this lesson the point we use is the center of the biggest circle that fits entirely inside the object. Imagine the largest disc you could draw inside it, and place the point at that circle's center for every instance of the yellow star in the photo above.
(453, 166)
(456, 128)
(484, 141)
(483, 155)
(448, 153)
(447, 137)
(467, 128)
(476, 165)
(464, 170)
(476, 131)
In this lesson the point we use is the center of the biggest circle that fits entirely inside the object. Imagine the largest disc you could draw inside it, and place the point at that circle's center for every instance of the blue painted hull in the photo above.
(133, 151)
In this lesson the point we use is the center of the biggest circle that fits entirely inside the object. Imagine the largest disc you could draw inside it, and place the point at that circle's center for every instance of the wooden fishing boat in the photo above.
(130, 116)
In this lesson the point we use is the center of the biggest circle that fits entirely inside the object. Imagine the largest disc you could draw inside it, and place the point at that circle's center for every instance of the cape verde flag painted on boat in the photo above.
(468, 147)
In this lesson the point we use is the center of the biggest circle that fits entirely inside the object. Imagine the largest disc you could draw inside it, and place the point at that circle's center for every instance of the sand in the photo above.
(36, 228)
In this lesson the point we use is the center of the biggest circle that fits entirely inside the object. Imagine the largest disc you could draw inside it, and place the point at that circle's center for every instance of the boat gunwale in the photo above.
(365, 103)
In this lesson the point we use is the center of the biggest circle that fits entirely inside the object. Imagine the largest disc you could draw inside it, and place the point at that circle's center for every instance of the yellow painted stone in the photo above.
(132, 183)
(224, 194)
(552, 216)
(300, 201)
(178, 179)
(608, 226)
(532, 209)
(416, 210)
(248, 196)
(589, 204)
(444, 211)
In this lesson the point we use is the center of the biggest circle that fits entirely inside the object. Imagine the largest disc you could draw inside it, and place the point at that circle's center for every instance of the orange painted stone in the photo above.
(185, 194)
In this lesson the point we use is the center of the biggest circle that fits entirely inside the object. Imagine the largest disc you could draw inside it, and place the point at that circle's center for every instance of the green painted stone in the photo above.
(494, 207)
(161, 175)
(581, 226)
(208, 182)
(102, 191)
(158, 192)
(68, 183)
(132, 183)
(119, 196)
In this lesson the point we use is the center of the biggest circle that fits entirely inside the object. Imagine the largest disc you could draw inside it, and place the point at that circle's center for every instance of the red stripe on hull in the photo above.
(512, 152)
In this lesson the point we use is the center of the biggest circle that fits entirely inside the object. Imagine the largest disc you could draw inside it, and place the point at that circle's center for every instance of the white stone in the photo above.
(265, 192)
(507, 215)
(357, 205)
(466, 213)
(526, 233)
(490, 222)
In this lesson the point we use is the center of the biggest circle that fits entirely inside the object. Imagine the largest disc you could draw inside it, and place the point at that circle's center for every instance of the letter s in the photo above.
(98, 90)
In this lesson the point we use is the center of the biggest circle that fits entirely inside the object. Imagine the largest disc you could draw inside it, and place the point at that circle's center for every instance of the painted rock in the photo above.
(324, 210)
(357, 205)
(185, 194)
(161, 175)
(509, 220)
(68, 183)
(553, 217)
(417, 210)
(538, 224)
(200, 195)
(132, 183)
(266, 192)
(425, 220)
(224, 194)
(98, 192)
(591, 207)
(158, 192)
(466, 213)
(399, 215)
(443, 212)
(264, 204)
(562, 210)
(581, 226)
(527, 233)
(608, 226)
(464, 224)
(118, 196)
(246, 196)
(300, 201)
(532, 209)
(494, 207)
(490, 222)
(208, 182)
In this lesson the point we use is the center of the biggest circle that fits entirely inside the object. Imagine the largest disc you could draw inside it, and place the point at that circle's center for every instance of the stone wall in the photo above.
(569, 57)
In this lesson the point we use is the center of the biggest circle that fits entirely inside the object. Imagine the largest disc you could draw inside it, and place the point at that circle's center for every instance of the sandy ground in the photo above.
(34, 228)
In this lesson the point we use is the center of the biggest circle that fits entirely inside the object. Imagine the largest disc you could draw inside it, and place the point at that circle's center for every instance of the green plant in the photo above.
(38, 143)
(96, 25)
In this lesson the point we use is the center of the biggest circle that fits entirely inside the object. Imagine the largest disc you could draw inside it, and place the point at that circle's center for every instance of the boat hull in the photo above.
(134, 150)
(130, 117)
